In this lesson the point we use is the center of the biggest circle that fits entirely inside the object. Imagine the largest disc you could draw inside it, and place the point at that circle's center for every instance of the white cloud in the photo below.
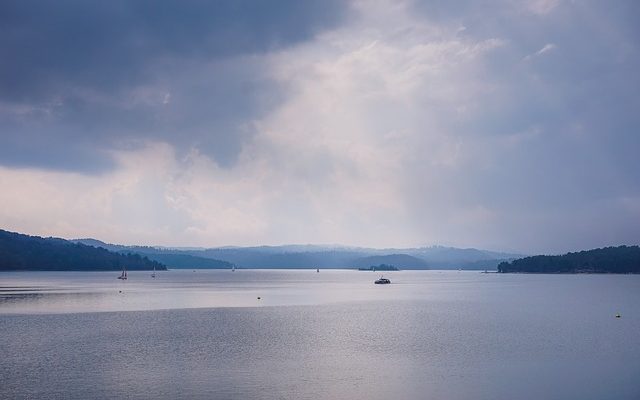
(545, 49)
(542, 7)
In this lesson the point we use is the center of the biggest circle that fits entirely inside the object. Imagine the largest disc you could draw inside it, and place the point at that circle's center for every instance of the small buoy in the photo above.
(617, 315)
(258, 297)
(119, 291)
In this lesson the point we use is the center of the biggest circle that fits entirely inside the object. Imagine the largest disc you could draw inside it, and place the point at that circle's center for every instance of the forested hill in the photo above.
(181, 261)
(615, 260)
(23, 252)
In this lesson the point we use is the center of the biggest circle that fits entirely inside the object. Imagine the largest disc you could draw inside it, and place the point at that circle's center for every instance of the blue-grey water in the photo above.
(327, 335)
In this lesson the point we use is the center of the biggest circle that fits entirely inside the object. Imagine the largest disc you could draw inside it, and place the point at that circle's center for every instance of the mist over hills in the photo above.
(24, 252)
(314, 256)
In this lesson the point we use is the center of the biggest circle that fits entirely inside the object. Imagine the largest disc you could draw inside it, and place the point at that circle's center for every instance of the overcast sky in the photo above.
(508, 124)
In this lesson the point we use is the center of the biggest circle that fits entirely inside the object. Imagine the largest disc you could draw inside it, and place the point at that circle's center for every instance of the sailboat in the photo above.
(123, 276)
(154, 272)
(233, 268)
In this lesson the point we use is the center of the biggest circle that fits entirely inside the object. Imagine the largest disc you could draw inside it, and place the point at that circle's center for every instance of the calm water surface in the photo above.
(327, 335)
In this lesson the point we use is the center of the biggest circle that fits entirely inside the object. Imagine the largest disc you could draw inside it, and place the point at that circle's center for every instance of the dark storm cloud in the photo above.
(105, 44)
(78, 76)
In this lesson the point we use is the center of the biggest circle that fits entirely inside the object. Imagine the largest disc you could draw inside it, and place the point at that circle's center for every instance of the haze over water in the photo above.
(327, 335)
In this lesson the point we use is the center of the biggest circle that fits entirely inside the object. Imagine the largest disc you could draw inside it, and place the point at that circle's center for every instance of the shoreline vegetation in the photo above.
(20, 252)
(608, 260)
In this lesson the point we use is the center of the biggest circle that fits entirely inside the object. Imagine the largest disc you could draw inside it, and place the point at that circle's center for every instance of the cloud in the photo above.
(542, 7)
(545, 49)
(110, 45)
(84, 78)
(387, 126)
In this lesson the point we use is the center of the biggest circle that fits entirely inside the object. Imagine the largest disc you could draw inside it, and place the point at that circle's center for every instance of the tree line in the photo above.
(23, 252)
(616, 260)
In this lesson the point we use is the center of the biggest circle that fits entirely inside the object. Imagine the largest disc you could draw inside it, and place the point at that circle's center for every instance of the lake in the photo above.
(298, 334)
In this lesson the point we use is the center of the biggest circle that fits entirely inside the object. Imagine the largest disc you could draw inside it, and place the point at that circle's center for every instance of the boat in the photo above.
(382, 281)
(317, 269)
(233, 268)
(123, 276)
(154, 272)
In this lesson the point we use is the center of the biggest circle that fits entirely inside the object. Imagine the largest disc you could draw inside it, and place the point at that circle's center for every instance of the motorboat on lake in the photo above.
(123, 276)
(382, 281)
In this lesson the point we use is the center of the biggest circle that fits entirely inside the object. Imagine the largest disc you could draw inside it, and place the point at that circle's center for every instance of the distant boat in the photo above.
(233, 268)
(123, 276)
(382, 281)
(317, 269)
(154, 272)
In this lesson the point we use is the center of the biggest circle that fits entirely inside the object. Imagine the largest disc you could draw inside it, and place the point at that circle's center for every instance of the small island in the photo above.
(381, 267)
(608, 260)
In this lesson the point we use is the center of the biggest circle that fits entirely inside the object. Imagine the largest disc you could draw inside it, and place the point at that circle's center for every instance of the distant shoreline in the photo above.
(608, 260)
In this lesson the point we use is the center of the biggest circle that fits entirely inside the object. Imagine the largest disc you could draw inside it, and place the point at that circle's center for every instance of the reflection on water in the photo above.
(327, 335)
(61, 292)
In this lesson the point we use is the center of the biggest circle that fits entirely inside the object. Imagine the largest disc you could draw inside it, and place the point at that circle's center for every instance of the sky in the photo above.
(508, 125)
